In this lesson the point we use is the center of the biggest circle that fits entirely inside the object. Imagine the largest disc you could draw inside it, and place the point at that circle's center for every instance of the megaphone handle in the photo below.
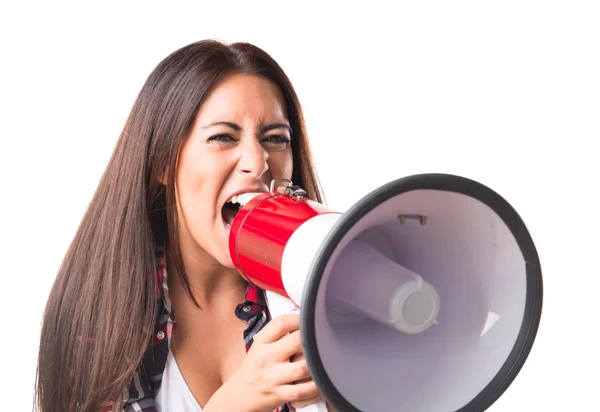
(320, 406)
(279, 306)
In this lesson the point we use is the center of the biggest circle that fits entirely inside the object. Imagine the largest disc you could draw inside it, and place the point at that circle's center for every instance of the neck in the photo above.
(212, 324)
(212, 284)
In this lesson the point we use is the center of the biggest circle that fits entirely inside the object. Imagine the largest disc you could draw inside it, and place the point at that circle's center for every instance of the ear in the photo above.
(164, 177)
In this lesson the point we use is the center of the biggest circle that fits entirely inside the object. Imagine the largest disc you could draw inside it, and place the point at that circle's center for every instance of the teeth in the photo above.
(246, 197)
(243, 198)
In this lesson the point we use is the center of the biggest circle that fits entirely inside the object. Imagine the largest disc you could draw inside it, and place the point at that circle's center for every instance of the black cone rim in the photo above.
(435, 181)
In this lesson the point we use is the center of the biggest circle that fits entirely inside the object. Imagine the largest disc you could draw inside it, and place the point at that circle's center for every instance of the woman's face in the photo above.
(240, 141)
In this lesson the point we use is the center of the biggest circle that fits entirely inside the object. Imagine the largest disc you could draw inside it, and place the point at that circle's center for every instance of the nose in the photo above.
(253, 161)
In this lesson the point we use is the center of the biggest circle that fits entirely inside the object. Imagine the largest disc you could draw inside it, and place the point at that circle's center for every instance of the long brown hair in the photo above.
(101, 311)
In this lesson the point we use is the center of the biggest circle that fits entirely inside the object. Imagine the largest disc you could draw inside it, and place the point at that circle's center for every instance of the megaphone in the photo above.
(425, 296)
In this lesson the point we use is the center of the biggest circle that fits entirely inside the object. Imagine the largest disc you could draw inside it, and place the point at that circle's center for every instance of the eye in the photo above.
(221, 137)
(279, 140)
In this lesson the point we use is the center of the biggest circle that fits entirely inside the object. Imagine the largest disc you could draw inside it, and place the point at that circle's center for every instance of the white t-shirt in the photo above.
(174, 395)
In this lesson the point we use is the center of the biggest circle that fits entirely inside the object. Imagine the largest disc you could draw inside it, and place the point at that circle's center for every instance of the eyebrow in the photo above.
(239, 129)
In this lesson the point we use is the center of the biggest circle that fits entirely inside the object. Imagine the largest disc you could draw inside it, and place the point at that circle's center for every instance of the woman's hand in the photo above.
(299, 357)
(267, 378)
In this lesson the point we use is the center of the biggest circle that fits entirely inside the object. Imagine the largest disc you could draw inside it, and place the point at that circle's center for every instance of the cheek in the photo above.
(191, 209)
(190, 179)
(197, 184)
(281, 164)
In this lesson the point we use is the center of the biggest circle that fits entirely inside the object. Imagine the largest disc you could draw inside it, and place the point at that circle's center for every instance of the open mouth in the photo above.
(233, 206)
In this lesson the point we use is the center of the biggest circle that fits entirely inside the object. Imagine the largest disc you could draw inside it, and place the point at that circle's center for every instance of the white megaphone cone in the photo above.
(425, 296)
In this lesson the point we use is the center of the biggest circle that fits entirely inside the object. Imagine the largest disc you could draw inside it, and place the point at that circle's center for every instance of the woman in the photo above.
(211, 121)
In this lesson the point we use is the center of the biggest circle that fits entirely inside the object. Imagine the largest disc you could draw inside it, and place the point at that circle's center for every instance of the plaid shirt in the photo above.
(139, 396)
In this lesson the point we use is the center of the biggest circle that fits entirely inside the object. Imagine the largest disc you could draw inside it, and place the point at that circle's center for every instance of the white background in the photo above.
(507, 93)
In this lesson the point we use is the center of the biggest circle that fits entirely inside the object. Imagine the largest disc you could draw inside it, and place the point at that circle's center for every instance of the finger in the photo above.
(278, 327)
(287, 346)
(297, 356)
(298, 392)
(292, 373)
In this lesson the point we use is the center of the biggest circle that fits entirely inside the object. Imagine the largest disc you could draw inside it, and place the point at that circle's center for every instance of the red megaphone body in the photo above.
(262, 229)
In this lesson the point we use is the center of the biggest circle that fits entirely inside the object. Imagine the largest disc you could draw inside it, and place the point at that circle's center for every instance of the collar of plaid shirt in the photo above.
(139, 396)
